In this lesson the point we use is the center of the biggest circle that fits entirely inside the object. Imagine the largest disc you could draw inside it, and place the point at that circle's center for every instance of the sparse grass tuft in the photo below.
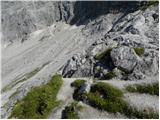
(139, 51)
(71, 111)
(39, 101)
(110, 75)
(104, 54)
(152, 89)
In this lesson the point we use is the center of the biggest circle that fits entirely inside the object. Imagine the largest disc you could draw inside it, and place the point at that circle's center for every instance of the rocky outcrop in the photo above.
(124, 58)
(137, 29)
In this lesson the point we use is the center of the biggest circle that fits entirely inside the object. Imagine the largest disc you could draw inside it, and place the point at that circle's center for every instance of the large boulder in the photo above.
(123, 57)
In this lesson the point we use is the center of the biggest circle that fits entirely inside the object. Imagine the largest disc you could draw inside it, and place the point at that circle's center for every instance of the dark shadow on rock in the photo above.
(84, 11)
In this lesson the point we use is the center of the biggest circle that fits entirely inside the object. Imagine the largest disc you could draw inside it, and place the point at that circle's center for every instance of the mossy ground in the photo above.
(39, 101)
(152, 89)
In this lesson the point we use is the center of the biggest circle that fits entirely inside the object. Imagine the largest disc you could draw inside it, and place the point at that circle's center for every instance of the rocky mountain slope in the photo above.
(98, 40)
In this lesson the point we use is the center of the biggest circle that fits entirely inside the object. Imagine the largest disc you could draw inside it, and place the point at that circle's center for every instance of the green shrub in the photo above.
(110, 75)
(78, 83)
(152, 89)
(104, 54)
(71, 111)
(139, 51)
(39, 101)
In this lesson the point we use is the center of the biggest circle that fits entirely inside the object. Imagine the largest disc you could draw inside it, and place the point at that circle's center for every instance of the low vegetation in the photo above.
(132, 112)
(104, 54)
(139, 51)
(77, 83)
(71, 111)
(39, 101)
(106, 97)
(110, 75)
(152, 89)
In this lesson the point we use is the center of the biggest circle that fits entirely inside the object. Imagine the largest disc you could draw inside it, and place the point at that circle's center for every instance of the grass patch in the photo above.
(132, 112)
(110, 75)
(107, 90)
(110, 105)
(139, 51)
(106, 97)
(77, 83)
(104, 54)
(152, 89)
(39, 101)
(71, 111)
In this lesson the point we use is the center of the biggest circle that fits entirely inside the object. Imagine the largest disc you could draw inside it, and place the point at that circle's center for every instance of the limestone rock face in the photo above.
(124, 58)
(19, 19)
(131, 30)
(148, 65)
